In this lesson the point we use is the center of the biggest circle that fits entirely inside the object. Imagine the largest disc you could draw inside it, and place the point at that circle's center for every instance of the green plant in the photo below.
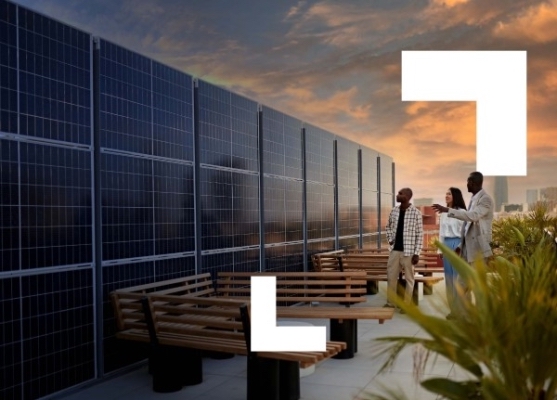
(518, 236)
(506, 338)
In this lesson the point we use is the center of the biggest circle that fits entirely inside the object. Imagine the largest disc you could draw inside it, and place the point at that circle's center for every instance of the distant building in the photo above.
(549, 195)
(424, 201)
(501, 192)
(532, 196)
(430, 220)
(512, 208)
(429, 215)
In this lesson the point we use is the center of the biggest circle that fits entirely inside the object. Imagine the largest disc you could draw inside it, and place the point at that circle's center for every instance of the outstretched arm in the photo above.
(480, 210)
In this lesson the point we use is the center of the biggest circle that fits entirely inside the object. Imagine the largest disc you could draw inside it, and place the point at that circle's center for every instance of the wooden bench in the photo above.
(429, 258)
(428, 265)
(179, 327)
(326, 261)
(330, 261)
(299, 287)
(375, 266)
(304, 289)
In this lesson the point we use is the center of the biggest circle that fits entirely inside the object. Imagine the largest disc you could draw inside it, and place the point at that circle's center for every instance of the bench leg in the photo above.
(345, 331)
(416, 294)
(173, 368)
(263, 378)
(428, 287)
(372, 287)
(289, 380)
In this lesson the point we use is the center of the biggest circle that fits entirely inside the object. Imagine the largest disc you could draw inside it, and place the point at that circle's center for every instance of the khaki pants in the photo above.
(399, 262)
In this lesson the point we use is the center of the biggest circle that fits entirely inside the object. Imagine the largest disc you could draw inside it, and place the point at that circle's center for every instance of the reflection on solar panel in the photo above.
(117, 170)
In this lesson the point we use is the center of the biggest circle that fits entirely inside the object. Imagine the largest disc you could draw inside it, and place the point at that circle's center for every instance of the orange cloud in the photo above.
(538, 138)
(341, 104)
(537, 24)
(345, 24)
(295, 10)
(442, 121)
(449, 3)
(445, 14)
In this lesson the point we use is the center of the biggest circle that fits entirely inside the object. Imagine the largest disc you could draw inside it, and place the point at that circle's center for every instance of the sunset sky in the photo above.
(336, 64)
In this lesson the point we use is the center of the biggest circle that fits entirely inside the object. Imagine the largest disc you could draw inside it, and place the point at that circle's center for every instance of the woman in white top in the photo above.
(449, 234)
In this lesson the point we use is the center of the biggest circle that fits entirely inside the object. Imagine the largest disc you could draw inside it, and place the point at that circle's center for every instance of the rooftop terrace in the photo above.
(332, 379)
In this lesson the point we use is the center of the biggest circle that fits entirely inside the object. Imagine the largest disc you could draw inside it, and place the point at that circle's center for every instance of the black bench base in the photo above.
(372, 287)
(345, 331)
(273, 379)
(174, 368)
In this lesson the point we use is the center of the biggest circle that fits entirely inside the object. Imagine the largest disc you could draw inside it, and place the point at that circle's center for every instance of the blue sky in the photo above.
(336, 64)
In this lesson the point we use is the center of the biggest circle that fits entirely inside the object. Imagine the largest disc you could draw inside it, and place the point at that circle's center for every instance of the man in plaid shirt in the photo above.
(405, 236)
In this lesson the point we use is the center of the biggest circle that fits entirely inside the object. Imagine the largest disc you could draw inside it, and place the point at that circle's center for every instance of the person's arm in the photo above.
(459, 246)
(441, 237)
(419, 237)
(389, 229)
(480, 210)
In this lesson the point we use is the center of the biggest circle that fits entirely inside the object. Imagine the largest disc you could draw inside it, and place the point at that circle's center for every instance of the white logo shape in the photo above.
(266, 335)
(496, 80)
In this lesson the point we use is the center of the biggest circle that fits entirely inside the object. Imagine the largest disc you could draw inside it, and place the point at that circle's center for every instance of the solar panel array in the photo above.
(117, 170)
(47, 271)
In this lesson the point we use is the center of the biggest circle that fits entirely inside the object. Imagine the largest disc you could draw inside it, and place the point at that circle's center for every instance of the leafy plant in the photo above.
(518, 236)
(505, 339)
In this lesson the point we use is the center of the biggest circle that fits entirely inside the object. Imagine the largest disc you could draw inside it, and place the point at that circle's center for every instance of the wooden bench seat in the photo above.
(326, 261)
(428, 264)
(304, 289)
(299, 287)
(377, 263)
(179, 327)
(293, 288)
(375, 266)
(379, 313)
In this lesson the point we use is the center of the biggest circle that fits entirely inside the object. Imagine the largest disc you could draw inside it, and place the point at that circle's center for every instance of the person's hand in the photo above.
(457, 250)
(439, 208)
(415, 259)
(441, 256)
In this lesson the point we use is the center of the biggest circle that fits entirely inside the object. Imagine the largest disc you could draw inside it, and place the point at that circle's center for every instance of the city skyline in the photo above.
(338, 67)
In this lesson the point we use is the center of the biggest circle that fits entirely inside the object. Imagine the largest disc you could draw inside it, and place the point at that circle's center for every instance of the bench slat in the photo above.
(192, 281)
(292, 274)
(316, 281)
(340, 313)
(301, 291)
